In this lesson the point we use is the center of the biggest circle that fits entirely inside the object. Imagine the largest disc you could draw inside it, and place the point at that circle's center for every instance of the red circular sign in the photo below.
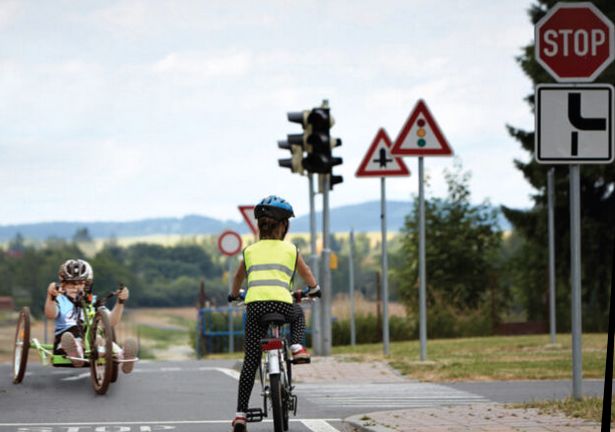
(229, 243)
(574, 42)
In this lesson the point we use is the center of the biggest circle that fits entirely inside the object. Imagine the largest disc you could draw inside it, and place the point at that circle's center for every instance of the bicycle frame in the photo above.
(45, 351)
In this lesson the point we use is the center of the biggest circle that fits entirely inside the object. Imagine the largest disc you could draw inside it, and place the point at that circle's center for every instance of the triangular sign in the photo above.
(247, 212)
(378, 161)
(421, 135)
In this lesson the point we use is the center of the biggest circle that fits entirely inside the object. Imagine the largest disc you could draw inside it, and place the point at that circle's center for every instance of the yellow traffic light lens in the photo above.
(421, 132)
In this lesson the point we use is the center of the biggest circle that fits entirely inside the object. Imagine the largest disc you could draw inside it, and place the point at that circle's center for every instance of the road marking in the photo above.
(154, 423)
(76, 377)
(401, 395)
(170, 369)
(318, 426)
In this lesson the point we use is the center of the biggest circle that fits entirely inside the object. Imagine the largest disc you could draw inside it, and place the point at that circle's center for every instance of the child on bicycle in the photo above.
(269, 265)
(61, 305)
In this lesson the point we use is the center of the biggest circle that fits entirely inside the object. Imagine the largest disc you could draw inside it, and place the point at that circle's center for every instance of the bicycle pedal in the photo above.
(301, 361)
(254, 415)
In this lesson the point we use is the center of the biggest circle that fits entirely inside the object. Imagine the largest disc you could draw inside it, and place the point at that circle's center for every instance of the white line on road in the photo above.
(157, 422)
(318, 426)
(76, 377)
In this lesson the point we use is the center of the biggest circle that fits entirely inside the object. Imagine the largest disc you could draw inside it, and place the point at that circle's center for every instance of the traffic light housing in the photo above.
(319, 142)
(295, 143)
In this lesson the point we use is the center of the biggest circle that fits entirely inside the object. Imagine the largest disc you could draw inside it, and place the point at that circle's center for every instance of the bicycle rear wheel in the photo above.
(276, 402)
(101, 351)
(21, 346)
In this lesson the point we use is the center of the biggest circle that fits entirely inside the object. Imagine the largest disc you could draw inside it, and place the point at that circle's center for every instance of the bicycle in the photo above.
(275, 369)
(99, 343)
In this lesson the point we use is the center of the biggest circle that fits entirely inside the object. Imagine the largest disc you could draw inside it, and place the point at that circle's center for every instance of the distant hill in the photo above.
(360, 217)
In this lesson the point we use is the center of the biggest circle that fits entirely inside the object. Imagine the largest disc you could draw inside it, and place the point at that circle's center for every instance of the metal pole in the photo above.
(353, 331)
(327, 295)
(316, 306)
(422, 268)
(385, 268)
(231, 342)
(608, 370)
(575, 279)
(551, 203)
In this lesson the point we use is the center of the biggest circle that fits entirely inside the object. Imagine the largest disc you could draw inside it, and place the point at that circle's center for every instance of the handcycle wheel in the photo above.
(115, 369)
(101, 351)
(21, 346)
(276, 402)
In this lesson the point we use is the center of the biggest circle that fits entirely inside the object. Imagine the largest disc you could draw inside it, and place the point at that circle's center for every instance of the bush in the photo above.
(369, 330)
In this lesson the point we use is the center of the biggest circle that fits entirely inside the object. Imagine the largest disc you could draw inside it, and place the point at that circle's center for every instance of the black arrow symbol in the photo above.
(580, 122)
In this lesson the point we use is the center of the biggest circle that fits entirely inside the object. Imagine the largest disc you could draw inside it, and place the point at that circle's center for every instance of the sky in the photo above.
(129, 109)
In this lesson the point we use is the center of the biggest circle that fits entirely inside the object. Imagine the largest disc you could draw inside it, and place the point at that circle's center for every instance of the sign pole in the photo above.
(231, 341)
(608, 370)
(385, 265)
(422, 269)
(327, 295)
(551, 203)
(353, 331)
(575, 278)
(316, 306)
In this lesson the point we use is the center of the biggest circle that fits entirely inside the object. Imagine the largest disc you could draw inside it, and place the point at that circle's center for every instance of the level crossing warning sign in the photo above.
(379, 162)
(421, 135)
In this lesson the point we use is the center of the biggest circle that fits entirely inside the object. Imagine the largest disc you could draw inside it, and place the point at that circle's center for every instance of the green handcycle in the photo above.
(100, 349)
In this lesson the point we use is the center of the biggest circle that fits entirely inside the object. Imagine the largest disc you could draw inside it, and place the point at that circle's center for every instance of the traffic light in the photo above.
(295, 143)
(319, 142)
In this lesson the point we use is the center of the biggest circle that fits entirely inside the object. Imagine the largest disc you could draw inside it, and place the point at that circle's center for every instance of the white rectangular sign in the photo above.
(574, 124)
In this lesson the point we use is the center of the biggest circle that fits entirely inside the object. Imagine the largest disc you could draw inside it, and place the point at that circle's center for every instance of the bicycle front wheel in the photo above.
(101, 351)
(21, 346)
(275, 388)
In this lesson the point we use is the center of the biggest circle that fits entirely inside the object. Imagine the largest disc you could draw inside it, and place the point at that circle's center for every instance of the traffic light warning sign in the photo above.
(378, 161)
(421, 135)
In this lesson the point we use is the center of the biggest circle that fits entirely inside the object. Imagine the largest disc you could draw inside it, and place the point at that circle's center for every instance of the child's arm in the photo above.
(51, 310)
(116, 314)
(240, 276)
(306, 273)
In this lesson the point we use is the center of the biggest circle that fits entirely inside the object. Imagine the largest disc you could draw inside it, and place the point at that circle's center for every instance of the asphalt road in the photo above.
(201, 396)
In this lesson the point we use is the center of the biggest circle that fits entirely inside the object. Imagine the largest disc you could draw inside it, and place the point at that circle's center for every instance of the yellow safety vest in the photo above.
(270, 266)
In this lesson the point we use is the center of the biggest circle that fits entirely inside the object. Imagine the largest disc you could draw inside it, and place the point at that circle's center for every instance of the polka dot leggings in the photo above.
(255, 332)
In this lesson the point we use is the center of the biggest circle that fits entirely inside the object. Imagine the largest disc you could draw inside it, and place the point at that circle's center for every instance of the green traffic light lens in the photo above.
(421, 142)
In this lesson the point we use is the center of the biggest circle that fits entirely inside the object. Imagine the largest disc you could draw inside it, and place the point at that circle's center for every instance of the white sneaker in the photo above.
(72, 348)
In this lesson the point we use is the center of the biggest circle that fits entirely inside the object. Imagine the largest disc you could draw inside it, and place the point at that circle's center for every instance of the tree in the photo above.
(462, 245)
(597, 205)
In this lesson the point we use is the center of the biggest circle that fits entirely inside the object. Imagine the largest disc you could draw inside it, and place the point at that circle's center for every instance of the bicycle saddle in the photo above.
(273, 317)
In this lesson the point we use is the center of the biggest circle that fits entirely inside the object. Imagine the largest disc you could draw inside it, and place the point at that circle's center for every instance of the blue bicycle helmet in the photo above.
(274, 207)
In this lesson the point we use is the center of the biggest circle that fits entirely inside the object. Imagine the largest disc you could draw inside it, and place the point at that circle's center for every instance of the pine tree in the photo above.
(597, 203)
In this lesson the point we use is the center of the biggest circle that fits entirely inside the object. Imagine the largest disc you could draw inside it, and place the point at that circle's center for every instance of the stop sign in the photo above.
(574, 42)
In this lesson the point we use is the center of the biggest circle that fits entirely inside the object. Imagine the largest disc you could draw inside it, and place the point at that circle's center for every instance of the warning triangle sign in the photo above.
(421, 135)
(248, 215)
(378, 161)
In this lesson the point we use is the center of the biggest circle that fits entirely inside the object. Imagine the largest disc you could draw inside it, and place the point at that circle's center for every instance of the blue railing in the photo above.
(222, 329)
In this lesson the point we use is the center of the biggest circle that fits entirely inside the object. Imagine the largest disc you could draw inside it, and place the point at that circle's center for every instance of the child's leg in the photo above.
(297, 325)
(252, 358)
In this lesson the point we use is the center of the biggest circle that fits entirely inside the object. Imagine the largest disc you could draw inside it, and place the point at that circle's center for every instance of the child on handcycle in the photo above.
(61, 305)
(269, 265)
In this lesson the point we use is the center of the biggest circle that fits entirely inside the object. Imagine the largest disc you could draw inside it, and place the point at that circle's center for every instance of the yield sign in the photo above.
(421, 135)
(248, 215)
(378, 161)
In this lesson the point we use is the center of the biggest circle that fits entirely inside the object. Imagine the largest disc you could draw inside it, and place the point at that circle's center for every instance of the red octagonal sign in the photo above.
(574, 42)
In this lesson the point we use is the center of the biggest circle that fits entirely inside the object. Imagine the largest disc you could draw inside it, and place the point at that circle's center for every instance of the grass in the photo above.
(163, 337)
(588, 408)
(488, 358)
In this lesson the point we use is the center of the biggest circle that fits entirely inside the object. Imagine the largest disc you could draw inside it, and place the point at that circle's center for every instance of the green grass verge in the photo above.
(163, 337)
(488, 358)
(588, 408)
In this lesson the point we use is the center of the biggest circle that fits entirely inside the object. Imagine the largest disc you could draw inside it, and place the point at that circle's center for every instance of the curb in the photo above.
(364, 423)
